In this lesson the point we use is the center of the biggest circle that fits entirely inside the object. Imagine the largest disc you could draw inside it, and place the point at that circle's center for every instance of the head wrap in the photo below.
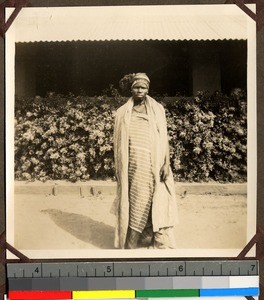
(142, 78)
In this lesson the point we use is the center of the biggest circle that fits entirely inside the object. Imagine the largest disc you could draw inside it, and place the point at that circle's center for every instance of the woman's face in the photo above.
(139, 91)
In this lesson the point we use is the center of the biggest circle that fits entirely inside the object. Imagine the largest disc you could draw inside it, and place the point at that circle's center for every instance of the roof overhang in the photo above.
(105, 23)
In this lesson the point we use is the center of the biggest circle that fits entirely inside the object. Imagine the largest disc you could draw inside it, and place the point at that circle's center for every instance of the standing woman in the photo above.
(145, 205)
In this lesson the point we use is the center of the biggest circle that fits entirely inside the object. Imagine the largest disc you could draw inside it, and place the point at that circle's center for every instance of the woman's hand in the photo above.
(165, 169)
(164, 172)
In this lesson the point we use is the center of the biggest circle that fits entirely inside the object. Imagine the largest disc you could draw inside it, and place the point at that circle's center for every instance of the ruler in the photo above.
(133, 279)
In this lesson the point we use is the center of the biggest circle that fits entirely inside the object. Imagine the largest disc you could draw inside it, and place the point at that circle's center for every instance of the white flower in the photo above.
(81, 156)
(29, 136)
(34, 160)
(54, 155)
(26, 175)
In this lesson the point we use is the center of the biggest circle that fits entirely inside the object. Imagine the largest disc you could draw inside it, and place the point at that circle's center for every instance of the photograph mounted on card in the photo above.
(131, 131)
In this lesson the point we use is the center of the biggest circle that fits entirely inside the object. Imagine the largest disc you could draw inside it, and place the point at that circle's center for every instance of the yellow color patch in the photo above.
(128, 294)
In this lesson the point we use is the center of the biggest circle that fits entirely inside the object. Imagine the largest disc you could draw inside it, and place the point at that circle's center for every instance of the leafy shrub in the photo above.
(208, 138)
(64, 138)
(71, 138)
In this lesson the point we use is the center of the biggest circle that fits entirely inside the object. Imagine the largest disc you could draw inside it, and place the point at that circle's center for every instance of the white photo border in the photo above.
(90, 253)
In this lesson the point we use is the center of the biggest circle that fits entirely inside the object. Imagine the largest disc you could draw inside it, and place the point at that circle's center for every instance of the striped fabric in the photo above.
(141, 179)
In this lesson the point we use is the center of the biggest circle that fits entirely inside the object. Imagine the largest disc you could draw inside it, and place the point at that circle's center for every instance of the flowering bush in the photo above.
(208, 138)
(71, 138)
(64, 138)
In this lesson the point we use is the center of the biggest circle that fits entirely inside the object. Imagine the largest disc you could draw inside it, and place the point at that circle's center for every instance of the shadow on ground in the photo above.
(83, 228)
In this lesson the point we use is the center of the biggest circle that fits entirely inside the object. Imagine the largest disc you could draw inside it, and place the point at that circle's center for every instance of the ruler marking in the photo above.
(25, 272)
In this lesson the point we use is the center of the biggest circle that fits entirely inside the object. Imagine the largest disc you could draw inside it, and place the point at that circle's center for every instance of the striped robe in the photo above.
(140, 176)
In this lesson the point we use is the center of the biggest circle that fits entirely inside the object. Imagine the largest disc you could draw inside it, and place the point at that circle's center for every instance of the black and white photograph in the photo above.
(131, 131)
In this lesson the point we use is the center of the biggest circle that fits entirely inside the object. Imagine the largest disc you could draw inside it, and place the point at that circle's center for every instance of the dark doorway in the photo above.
(87, 67)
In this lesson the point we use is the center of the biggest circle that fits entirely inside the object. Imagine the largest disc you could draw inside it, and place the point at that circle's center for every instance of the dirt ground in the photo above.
(74, 222)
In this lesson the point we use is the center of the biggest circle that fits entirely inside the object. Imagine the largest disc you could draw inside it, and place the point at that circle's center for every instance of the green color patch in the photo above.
(166, 293)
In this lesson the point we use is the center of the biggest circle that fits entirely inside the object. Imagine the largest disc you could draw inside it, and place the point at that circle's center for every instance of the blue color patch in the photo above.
(230, 292)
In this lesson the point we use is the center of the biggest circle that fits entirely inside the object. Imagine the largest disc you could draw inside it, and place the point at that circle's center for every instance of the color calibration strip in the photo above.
(131, 294)
(132, 280)
(131, 288)
(135, 283)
